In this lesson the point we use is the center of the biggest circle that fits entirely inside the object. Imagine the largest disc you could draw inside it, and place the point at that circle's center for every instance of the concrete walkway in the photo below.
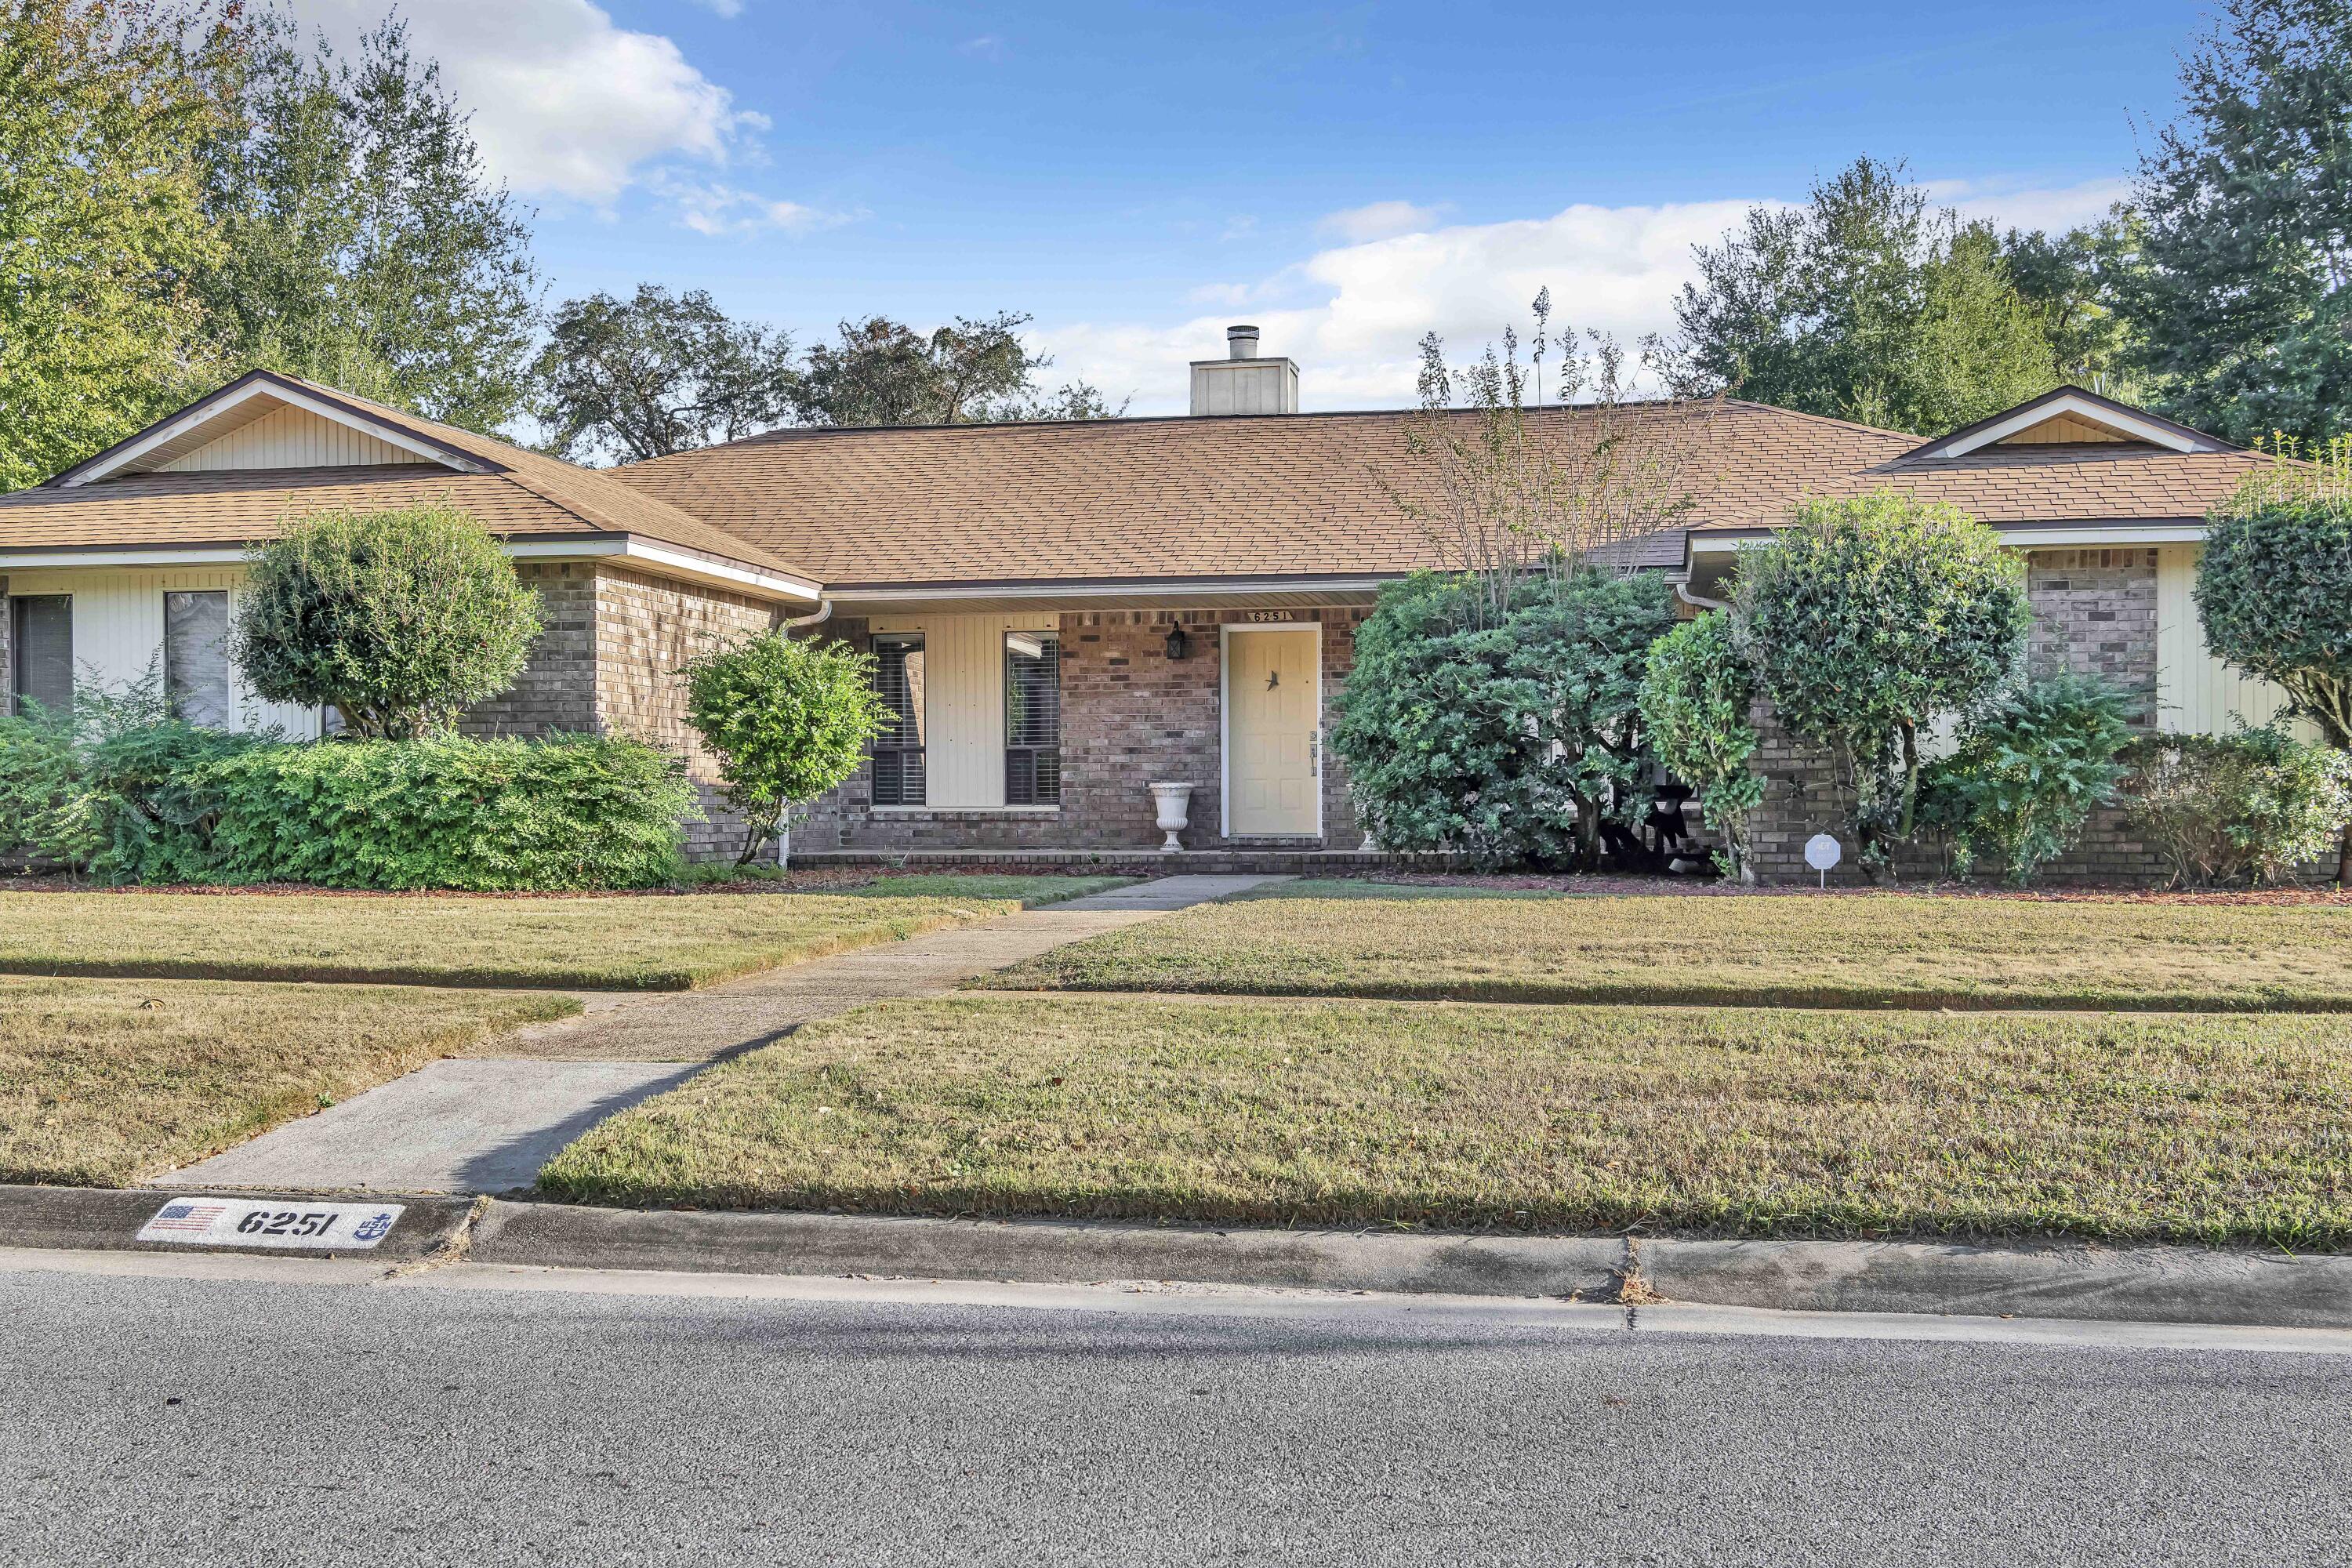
(488, 1124)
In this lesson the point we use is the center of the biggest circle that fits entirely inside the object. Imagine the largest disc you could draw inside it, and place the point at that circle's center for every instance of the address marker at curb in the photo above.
(284, 1227)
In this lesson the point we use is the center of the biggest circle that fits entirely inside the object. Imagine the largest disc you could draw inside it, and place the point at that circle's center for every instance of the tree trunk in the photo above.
(2344, 857)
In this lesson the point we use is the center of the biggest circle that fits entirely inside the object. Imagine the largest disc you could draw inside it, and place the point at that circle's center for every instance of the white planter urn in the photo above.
(1175, 803)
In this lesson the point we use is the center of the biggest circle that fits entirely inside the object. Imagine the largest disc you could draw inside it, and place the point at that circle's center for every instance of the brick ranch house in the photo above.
(1065, 613)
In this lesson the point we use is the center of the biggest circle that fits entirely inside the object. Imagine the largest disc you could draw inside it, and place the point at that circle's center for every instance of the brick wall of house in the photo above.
(1130, 717)
(610, 643)
(2095, 612)
(557, 690)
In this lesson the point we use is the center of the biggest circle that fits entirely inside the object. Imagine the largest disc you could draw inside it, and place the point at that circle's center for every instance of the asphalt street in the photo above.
(270, 1419)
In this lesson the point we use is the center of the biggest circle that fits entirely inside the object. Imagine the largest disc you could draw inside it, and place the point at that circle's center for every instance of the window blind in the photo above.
(41, 645)
(897, 763)
(1033, 718)
(196, 656)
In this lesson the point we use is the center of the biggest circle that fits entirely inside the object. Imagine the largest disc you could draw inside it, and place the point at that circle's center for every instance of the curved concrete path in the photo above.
(488, 1124)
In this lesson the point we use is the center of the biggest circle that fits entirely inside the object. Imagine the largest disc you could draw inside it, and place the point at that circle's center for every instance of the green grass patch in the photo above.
(1727, 1122)
(660, 942)
(104, 1082)
(1887, 950)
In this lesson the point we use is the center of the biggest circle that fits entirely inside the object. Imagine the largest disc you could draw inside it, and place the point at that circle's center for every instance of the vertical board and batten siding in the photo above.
(290, 439)
(963, 703)
(117, 632)
(2196, 693)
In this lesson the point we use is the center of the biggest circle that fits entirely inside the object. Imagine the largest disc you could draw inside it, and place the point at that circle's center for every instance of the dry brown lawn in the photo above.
(632, 942)
(1869, 950)
(1741, 1121)
(104, 1082)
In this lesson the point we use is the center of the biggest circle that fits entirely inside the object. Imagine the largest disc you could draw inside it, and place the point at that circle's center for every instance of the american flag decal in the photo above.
(187, 1217)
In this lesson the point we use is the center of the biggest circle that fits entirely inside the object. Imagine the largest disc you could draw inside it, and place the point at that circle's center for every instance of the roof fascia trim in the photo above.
(2154, 530)
(261, 385)
(672, 562)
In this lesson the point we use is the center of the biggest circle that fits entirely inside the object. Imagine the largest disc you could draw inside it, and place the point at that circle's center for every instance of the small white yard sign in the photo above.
(1822, 853)
(272, 1222)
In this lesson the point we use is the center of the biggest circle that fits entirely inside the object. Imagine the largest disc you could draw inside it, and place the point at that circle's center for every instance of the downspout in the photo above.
(1698, 601)
(784, 814)
(824, 612)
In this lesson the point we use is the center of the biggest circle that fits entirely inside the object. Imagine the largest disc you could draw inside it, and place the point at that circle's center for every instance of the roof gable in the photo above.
(262, 421)
(2070, 416)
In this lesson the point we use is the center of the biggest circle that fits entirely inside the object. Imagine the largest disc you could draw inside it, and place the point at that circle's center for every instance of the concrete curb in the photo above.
(1044, 1252)
(2150, 1284)
(2127, 1284)
(107, 1219)
(2062, 1281)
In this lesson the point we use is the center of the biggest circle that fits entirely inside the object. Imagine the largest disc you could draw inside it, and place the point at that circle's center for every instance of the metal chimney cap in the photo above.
(1241, 342)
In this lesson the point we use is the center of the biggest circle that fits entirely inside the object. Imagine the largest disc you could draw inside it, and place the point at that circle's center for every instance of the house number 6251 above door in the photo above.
(1272, 615)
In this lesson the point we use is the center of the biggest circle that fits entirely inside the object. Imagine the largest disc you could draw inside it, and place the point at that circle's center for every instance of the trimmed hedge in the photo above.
(567, 812)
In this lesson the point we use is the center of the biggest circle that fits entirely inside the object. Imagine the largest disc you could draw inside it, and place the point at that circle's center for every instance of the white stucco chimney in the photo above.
(1242, 383)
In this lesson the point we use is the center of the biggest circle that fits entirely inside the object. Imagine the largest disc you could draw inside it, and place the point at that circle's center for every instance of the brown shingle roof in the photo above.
(524, 493)
(1302, 493)
(1299, 493)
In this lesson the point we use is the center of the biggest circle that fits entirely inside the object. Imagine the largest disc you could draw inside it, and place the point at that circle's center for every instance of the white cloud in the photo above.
(2008, 204)
(716, 208)
(1380, 220)
(1353, 315)
(730, 9)
(566, 103)
(987, 47)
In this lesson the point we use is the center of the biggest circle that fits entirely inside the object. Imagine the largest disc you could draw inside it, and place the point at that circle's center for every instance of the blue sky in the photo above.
(1348, 175)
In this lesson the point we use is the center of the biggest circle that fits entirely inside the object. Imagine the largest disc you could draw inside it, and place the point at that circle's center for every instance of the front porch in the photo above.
(1032, 735)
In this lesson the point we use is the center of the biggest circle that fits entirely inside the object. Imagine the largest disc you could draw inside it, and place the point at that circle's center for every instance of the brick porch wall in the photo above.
(2093, 613)
(1130, 717)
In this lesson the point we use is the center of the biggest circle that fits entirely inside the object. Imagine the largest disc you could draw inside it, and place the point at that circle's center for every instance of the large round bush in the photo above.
(400, 620)
(1867, 620)
(1507, 743)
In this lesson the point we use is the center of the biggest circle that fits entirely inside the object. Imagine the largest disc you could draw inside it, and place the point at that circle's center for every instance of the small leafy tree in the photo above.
(789, 721)
(1509, 487)
(2027, 772)
(401, 620)
(1696, 691)
(1867, 620)
(2274, 592)
(1510, 743)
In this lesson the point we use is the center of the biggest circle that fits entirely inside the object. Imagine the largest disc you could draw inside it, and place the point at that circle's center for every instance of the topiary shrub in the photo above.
(1507, 743)
(1867, 620)
(399, 620)
(2275, 593)
(2229, 810)
(1697, 691)
(789, 720)
(2028, 771)
(566, 812)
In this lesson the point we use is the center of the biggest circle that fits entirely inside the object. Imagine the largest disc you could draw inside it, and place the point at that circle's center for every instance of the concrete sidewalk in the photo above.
(486, 1125)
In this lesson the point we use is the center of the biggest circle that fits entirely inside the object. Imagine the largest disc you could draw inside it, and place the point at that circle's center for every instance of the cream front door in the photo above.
(1274, 710)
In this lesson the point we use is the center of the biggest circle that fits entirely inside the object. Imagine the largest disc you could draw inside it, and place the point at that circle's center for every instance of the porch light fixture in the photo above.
(1180, 647)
